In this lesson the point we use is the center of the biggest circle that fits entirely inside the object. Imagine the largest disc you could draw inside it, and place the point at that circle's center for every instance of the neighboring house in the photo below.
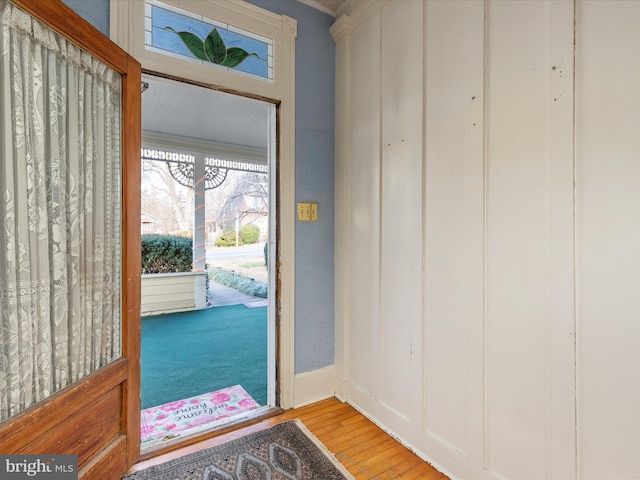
(250, 210)
(149, 224)
(486, 229)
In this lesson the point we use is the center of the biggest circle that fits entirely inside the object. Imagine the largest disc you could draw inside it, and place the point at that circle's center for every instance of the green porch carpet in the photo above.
(190, 353)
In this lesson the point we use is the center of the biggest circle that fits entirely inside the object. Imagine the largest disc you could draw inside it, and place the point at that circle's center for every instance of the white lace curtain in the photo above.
(60, 221)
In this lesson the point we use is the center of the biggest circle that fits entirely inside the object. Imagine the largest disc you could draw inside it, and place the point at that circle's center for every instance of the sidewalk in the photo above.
(221, 296)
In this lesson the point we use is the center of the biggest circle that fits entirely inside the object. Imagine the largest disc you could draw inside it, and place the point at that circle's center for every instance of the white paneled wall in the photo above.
(487, 231)
(523, 111)
(400, 209)
(454, 213)
(607, 238)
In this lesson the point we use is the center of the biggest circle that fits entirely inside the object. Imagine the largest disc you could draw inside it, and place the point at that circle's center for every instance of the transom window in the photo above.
(172, 31)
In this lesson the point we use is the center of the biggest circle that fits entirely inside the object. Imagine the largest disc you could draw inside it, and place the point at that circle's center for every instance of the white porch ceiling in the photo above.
(178, 109)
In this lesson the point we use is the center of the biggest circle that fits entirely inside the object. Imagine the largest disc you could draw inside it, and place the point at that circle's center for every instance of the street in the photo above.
(253, 251)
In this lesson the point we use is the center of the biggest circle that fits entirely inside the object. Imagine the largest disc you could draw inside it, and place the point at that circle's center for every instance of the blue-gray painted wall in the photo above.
(315, 101)
(96, 12)
(315, 108)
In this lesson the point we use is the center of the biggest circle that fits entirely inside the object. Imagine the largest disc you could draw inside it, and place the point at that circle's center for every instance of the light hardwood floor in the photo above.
(363, 448)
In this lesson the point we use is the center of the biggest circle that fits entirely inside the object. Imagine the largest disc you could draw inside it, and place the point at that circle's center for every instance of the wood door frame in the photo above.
(47, 427)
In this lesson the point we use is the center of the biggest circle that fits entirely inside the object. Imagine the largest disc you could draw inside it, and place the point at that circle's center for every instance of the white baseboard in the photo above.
(310, 387)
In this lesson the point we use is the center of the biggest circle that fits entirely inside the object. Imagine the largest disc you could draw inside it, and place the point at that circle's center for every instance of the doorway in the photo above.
(208, 193)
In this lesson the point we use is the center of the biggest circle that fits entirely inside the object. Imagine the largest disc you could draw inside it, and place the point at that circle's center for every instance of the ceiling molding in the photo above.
(330, 7)
(318, 6)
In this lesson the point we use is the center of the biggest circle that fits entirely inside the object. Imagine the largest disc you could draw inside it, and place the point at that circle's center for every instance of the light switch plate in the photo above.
(304, 211)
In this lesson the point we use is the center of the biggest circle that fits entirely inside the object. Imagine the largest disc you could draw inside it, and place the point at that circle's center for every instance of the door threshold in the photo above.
(187, 440)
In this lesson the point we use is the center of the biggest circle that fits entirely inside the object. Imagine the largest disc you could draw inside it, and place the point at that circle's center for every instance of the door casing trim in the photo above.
(127, 30)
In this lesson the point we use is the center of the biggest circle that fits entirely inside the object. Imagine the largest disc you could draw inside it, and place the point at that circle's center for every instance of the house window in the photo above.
(172, 31)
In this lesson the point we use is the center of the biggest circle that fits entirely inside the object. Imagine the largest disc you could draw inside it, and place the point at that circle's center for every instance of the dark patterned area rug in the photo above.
(286, 451)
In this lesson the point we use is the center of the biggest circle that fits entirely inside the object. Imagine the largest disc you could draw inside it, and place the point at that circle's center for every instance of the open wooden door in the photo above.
(98, 417)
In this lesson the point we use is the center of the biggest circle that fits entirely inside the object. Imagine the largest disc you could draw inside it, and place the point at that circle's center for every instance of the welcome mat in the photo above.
(286, 451)
(167, 421)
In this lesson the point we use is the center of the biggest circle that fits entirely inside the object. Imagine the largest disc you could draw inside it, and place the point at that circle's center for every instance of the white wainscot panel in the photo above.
(401, 210)
(454, 225)
(364, 204)
(521, 409)
(607, 239)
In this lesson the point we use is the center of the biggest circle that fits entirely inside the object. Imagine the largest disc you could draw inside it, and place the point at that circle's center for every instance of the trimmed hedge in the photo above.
(227, 239)
(249, 233)
(166, 254)
(238, 282)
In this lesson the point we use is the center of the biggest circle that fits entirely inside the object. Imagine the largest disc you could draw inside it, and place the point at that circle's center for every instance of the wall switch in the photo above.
(304, 212)
(307, 212)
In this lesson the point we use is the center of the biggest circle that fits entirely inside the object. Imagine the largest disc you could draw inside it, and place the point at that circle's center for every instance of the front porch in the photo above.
(214, 358)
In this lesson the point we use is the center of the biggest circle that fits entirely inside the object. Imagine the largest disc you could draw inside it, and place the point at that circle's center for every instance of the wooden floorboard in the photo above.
(363, 448)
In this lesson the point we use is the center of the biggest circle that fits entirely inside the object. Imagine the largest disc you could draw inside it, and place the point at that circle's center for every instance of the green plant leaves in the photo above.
(193, 43)
(166, 254)
(213, 48)
(235, 56)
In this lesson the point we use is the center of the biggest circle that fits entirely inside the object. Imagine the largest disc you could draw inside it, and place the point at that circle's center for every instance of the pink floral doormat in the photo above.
(169, 420)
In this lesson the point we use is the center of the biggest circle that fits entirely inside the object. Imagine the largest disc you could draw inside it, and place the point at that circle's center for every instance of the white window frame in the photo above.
(127, 29)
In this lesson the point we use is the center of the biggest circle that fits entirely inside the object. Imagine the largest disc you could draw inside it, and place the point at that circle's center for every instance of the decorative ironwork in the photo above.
(213, 177)
(181, 167)
(237, 165)
(182, 172)
(153, 154)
